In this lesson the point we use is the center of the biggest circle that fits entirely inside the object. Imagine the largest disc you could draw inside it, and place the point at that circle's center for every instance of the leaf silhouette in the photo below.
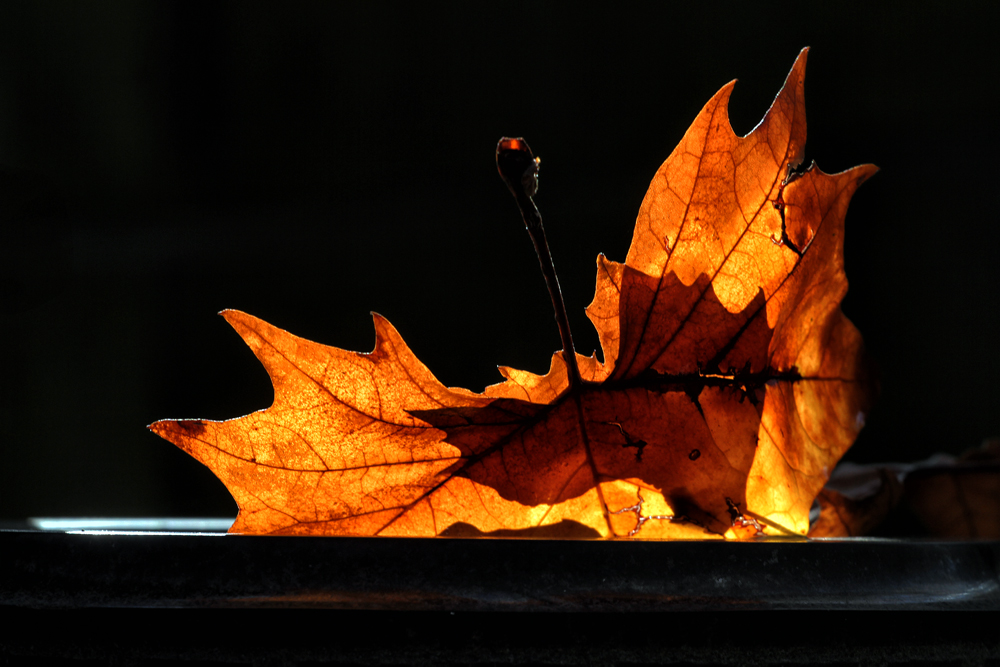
(730, 385)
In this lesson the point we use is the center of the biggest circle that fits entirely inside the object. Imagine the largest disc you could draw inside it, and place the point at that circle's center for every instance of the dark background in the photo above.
(311, 163)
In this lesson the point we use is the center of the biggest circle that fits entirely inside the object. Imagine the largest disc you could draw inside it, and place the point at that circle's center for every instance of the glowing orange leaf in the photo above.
(731, 381)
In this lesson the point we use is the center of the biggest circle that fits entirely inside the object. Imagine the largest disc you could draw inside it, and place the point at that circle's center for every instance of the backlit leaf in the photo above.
(729, 386)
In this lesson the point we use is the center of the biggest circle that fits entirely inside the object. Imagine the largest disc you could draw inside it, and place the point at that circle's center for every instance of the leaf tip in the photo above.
(234, 316)
(866, 171)
(799, 66)
(381, 324)
(161, 426)
(165, 428)
(384, 331)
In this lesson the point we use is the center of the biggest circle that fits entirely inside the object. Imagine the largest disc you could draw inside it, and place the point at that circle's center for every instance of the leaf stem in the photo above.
(518, 168)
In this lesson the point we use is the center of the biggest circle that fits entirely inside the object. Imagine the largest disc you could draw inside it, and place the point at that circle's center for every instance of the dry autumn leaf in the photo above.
(941, 497)
(731, 382)
(961, 501)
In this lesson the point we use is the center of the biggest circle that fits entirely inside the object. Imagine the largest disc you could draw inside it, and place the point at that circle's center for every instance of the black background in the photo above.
(311, 163)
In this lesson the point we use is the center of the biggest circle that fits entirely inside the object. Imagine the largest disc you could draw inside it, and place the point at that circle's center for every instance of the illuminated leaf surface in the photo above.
(730, 385)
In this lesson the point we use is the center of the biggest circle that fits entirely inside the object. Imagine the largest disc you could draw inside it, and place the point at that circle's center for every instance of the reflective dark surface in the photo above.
(54, 569)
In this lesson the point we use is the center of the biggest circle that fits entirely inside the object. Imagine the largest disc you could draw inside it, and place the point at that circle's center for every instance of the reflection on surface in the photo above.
(169, 525)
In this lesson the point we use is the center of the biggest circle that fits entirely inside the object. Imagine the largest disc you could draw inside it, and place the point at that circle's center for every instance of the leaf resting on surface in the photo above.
(731, 382)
